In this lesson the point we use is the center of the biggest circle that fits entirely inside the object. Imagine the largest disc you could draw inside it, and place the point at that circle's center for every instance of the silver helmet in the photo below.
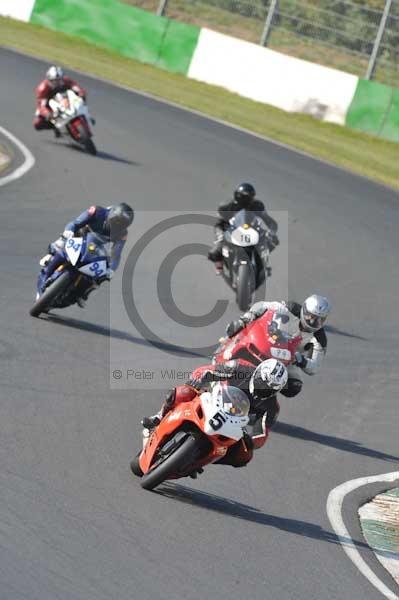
(314, 312)
(55, 75)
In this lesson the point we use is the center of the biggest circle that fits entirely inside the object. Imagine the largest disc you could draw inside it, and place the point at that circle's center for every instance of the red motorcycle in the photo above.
(266, 337)
(71, 115)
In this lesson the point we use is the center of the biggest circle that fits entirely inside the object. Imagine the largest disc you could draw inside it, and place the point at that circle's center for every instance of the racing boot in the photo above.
(43, 262)
(219, 267)
(197, 472)
(153, 421)
(81, 302)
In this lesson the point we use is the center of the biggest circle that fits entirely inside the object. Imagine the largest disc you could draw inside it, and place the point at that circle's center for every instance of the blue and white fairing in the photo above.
(87, 254)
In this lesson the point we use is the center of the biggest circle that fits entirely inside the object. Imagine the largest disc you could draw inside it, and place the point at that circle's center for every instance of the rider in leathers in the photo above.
(261, 385)
(306, 320)
(54, 83)
(244, 198)
(111, 223)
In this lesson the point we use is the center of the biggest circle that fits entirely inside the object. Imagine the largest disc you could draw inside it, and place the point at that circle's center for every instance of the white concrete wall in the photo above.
(261, 74)
(17, 9)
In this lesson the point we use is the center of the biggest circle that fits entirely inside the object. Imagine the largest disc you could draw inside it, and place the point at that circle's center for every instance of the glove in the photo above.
(110, 274)
(300, 360)
(234, 327)
(67, 234)
(198, 376)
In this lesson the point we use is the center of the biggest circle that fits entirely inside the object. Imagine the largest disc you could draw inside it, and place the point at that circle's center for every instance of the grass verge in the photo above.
(353, 150)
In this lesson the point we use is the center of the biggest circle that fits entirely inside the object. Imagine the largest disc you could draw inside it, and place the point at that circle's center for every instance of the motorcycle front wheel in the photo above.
(177, 461)
(86, 140)
(50, 294)
(245, 286)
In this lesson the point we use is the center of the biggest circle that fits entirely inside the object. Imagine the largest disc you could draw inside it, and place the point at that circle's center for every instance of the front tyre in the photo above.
(85, 140)
(244, 286)
(135, 466)
(50, 294)
(184, 455)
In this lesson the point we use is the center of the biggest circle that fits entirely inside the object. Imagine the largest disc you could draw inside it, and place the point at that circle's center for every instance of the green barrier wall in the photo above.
(375, 109)
(127, 30)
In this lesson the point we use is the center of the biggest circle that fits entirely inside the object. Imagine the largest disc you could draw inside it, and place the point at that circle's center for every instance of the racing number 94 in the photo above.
(96, 269)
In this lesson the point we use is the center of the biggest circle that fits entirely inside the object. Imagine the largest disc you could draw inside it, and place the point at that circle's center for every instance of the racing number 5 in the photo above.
(217, 421)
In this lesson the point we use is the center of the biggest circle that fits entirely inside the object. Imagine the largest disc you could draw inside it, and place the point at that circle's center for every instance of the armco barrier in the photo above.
(247, 69)
(127, 30)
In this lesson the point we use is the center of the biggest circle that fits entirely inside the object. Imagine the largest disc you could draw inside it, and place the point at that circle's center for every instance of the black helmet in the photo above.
(119, 218)
(244, 194)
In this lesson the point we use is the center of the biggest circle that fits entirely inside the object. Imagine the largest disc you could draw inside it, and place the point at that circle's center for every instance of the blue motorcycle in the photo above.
(85, 266)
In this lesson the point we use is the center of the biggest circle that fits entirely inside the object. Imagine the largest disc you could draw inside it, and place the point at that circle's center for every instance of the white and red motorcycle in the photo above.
(70, 114)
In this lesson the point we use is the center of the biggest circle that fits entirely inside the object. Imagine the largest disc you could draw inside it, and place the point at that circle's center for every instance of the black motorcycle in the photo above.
(245, 256)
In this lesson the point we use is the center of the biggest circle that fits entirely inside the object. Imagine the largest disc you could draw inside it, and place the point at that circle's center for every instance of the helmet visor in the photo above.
(313, 321)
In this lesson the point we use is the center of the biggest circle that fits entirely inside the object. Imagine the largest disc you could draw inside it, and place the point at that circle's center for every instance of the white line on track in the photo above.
(29, 159)
(334, 511)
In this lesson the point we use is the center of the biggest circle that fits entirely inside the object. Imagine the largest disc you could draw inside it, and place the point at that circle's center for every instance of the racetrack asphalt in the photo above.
(74, 523)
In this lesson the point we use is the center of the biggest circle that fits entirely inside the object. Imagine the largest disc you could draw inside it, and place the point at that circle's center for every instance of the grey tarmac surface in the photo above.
(74, 524)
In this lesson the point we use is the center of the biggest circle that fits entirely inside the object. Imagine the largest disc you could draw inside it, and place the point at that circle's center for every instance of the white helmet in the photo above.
(314, 312)
(268, 378)
(54, 75)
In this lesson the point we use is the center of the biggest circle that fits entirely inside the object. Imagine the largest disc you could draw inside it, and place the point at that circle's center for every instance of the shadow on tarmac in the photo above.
(100, 153)
(329, 440)
(238, 510)
(336, 331)
(118, 335)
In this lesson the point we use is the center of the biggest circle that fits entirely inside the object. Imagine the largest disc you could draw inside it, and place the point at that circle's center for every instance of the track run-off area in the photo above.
(74, 523)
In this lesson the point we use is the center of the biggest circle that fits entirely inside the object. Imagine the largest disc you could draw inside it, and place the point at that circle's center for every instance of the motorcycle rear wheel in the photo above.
(181, 457)
(53, 290)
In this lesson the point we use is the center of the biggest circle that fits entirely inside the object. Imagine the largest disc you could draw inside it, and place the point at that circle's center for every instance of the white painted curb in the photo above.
(29, 159)
(334, 512)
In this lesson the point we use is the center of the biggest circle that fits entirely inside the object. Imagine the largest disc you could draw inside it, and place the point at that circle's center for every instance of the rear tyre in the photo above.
(86, 140)
(244, 286)
(175, 462)
(50, 294)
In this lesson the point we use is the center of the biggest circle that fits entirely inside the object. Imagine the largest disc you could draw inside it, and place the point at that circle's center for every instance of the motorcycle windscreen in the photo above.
(244, 229)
